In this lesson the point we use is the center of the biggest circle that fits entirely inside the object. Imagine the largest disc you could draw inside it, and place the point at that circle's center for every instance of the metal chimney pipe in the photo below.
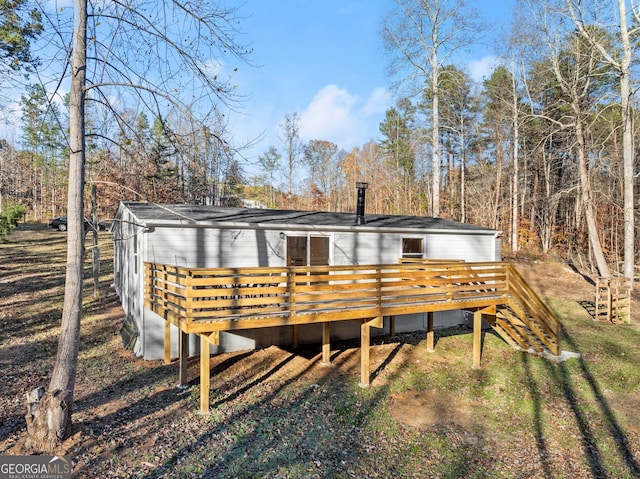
(362, 188)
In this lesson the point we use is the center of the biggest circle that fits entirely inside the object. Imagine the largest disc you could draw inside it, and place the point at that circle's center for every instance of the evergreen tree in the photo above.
(19, 26)
(397, 138)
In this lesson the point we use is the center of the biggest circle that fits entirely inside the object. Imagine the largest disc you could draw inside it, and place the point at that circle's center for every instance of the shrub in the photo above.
(9, 219)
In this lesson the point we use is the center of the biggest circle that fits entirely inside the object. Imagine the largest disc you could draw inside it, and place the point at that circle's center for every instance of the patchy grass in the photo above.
(279, 413)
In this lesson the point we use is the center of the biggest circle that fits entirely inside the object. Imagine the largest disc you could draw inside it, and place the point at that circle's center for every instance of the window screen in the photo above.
(412, 247)
(303, 250)
(319, 253)
(296, 250)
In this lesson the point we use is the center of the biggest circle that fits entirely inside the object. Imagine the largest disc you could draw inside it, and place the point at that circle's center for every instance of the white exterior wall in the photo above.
(129, 277)
(209, 247)
(215, 248)
(385, 248)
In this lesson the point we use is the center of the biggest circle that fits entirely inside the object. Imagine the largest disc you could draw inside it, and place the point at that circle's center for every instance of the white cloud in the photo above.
(378, 102)
(481, 69)
(336, 115)
(329, 114)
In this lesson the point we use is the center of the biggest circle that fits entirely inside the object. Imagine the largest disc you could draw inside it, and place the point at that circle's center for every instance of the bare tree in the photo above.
(584, 15)
(420, 37)
(49, 417)
(269, 162)
(321, 156)
(577, 67)
(152, 50)
(290, 138)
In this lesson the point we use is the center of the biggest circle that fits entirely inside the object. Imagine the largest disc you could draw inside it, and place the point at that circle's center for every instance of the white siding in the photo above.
(470, 247)
(382, 248)
(129, 274)
(366, 248)
(209, 247)
(213, 248)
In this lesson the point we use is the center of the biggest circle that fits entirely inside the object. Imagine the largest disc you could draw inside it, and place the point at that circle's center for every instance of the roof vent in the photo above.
(362, 188)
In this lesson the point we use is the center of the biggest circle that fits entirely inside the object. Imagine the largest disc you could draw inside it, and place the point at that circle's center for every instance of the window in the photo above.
(412, 247)
(319, 250)
(307, 250)
(296, 250)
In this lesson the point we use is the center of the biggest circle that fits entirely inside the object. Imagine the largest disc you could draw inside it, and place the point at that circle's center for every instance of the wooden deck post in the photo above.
(295, 338)
(326, 343)
(430, 333)
(205, 374)
(291, 287)
(167, 325)
(167, 342)
(183, 354)
(365, 337)
(392, 325)
(477, 338)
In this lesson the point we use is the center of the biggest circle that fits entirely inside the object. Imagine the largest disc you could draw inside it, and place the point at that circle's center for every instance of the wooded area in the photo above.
(535, 150)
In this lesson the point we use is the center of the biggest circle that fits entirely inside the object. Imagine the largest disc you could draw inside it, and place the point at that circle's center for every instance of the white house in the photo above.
(213, 236)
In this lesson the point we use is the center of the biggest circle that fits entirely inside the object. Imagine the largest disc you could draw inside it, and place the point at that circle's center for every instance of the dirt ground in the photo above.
(31, 287)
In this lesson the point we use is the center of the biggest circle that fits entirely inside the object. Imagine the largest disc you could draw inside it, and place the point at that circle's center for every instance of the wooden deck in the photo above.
(206, 301)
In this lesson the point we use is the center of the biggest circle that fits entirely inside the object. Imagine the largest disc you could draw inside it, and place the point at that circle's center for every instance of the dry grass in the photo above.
(280, 413)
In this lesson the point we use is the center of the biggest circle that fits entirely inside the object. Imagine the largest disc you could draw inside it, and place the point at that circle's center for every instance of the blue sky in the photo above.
(324, 60)
(321, 59)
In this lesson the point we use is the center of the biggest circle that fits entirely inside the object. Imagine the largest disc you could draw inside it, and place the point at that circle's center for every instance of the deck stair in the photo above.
(524, 320)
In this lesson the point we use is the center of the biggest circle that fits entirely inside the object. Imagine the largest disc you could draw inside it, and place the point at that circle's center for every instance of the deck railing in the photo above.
(223, 299)
(238, 298)
(533, 311)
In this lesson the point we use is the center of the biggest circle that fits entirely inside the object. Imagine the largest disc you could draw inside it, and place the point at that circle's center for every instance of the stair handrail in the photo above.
(536, 307)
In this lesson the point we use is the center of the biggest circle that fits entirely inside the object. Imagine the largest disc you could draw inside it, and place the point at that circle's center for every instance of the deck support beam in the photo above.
(365, 341)
(183, 346)
(295, 340)
(477, 338)
(205, 373)
(326, 343)
(430, 333)
(167, 342)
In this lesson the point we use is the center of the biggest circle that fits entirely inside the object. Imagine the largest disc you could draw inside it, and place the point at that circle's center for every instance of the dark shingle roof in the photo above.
(153, 214)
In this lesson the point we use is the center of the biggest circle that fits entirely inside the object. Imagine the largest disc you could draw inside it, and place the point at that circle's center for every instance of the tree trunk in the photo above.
(463, 185)
(49, 413)
(515, 220)
(435, 137)
(587, 205)
(498, 191)
(627, 147)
